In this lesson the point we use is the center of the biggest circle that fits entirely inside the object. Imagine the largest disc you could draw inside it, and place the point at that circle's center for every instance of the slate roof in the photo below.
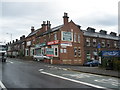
(51, 30)
(33, 33)
(97, 34)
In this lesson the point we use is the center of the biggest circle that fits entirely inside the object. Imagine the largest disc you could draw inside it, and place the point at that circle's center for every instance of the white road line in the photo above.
(40, 70)
(9, 61)
(88, 84)
(2, 86)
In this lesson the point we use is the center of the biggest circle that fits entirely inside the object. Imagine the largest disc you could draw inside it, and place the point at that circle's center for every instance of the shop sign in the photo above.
(53, 42)
(49, 52)
(67, 36)
(40, 45)
(66, 44)
(111, 53)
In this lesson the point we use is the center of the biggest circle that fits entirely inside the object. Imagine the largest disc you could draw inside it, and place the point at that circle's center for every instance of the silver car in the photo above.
(40, 57)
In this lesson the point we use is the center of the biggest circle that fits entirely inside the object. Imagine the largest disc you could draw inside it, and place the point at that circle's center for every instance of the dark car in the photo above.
(92, 63)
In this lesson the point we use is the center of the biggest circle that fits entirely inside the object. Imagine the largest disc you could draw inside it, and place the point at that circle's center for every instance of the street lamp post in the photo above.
(10, 35)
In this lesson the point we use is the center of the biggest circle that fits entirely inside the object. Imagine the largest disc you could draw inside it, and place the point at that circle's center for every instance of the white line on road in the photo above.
(2, 85)
(92, 85)
(40, 70)
(9, 61)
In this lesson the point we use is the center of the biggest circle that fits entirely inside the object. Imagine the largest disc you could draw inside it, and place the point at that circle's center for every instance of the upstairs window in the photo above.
(74, 37)
(103, 43)
(94, 42)
(78, 38)
(55, 36)
(115, 44)
(87, 41)
(108, 43)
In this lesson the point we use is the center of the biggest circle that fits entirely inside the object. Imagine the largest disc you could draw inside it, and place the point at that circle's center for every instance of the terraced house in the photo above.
(67, 43)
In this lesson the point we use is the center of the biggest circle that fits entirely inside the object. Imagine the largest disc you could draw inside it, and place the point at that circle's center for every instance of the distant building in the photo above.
(94, 42)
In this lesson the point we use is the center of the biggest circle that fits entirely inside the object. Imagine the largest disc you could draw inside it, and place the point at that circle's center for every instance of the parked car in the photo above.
(40, 57)
(92, 63)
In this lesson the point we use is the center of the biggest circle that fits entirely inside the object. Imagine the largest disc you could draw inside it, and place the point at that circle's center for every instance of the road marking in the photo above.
(40, 70)
(9, 62)
(113, 82)
(88, 84)
(2, 85)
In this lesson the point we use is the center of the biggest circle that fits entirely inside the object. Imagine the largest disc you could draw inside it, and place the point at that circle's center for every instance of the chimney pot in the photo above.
(32, 29)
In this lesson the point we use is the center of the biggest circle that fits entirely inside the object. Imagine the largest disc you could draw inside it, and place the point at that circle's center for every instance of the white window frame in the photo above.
(94, 41)
(26, 52)
(103, 43)
(54, 47)
(75, 37)
(55, 36)
(79, 52)
(75, 51)
(88, 40)
(78, 38)
(62, 36)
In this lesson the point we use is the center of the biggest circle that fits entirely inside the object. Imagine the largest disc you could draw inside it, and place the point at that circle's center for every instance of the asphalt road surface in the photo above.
(31, 74)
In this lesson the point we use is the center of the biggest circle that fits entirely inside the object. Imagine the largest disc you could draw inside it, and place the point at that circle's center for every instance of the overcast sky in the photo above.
(18, 17)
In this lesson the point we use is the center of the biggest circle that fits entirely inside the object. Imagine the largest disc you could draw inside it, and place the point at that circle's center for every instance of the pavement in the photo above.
(92, 70)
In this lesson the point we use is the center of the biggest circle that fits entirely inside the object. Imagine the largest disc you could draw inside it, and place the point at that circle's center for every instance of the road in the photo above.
(18, 73)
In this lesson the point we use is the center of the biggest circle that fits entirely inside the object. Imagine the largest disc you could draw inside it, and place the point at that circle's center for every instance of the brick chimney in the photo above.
(13, 41)
(16, 40)
(48, 25)
(23, 36)
(65, 18)
(32, 29)
(20, 38)
(44, 25)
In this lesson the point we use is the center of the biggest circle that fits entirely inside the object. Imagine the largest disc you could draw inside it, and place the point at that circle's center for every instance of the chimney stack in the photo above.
(44, 25)
(48, 25)
(16, 40)
(65, 18)
(23, 37)
(32, 29)
(13, 41)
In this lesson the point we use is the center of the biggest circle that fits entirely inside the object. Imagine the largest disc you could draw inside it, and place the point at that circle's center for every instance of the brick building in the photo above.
(30, 43)
(66, 40)
(66, 43)
(94, 42)
(16, 48)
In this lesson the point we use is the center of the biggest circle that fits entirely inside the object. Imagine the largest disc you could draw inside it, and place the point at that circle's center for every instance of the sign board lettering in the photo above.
(111, 53)
(67, 36)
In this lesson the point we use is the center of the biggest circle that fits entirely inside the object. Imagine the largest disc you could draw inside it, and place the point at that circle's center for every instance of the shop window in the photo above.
(79, 38)
(75, 52)
(88, 41)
